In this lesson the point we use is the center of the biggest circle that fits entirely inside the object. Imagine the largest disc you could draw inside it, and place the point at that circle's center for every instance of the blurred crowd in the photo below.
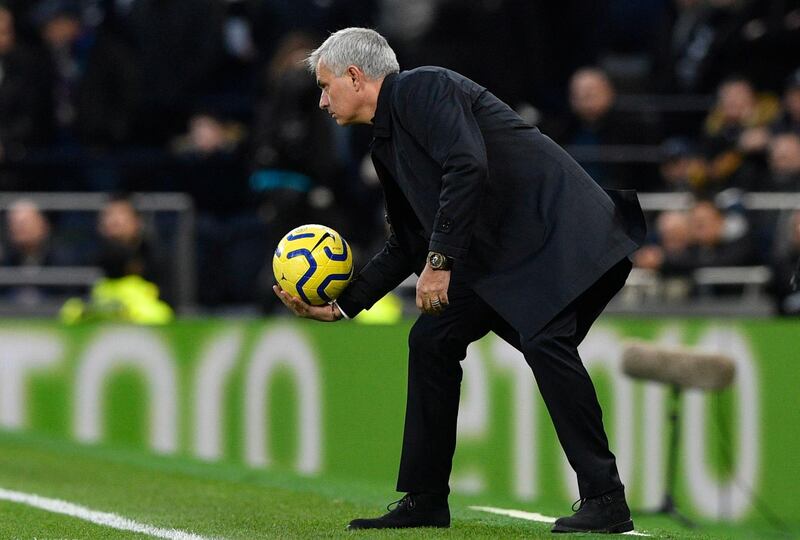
(210, 98)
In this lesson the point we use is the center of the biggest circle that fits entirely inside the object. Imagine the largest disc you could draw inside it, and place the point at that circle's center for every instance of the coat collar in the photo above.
(382, 121)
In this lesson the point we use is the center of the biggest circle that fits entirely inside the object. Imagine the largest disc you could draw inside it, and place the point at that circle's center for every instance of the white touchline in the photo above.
(100, 518)
(530, 516)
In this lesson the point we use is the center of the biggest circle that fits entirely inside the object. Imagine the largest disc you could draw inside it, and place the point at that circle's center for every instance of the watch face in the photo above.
(436, 260)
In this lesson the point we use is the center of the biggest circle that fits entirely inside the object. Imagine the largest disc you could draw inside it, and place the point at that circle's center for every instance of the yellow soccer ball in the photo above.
(313, 263)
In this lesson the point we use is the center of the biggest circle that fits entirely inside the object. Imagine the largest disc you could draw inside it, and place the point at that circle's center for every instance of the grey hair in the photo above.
(361, 47)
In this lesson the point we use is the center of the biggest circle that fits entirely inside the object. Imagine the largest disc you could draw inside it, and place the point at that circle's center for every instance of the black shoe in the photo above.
(413, 510)
(607, 513)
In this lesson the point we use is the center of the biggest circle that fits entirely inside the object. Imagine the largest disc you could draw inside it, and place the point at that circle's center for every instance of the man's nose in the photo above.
(323, 101)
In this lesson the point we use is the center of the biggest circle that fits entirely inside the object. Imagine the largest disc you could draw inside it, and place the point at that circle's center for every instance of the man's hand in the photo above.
(432, 288)
(326, 313)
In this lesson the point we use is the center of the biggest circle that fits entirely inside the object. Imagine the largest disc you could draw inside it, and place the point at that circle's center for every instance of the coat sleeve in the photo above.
(438, 114)
(380, 276)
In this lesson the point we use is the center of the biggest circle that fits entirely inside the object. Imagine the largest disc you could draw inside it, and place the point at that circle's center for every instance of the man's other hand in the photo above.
(432, 288)
(326, 313)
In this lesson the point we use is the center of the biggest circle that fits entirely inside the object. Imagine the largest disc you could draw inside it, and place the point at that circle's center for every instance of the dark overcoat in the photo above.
(464, 175)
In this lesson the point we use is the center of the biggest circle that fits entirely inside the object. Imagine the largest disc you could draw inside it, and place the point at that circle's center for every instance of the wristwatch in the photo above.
(439, 261)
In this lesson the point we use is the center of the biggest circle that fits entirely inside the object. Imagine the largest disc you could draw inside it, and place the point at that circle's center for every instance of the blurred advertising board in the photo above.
(329, 400)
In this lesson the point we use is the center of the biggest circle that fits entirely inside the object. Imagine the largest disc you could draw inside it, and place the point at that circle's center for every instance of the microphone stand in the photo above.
(668, 506)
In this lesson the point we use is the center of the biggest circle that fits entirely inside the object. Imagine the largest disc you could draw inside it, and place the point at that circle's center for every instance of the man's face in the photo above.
(706, 224)
(675, 231)
(737, 101)
(62, 31)
(784, 154)
(27, 227)
(6, 31)
(339, 97)
(591, 95)
(206, 133)
(792, 103)
(120, 222)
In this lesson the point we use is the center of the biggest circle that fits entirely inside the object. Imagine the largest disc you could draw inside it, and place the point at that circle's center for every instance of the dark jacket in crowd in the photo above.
(738, 252)
(703, 44)
(24, 100)
(142, 259)
(464, 175)
(290, 136)
(179, 48)
(108, 93)
(583, 139)
(48, 255)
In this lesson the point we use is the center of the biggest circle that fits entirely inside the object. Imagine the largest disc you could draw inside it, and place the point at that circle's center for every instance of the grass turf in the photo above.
(235, 502)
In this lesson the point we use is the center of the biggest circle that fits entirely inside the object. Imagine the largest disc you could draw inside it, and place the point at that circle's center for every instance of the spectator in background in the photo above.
(768, 30)
(210, 166)
(682, 167)
(591, 95)
(28, 234)
(119, 297)
(674, 237)
(109, 91)
(125, 247)
(674, 228)
(179, 47)
(666, 255)
(784, 260)
(23, 99)
(715, 241)
(29, 245)
(294, 149)
(736, 134)
(790, 119)
(690, 39)
(126, 293)
(702, 237)
(93, 82)
(707, 39)
(237, 74)
(594, 122)
(129, 291)
(784, 163)
(67, 43)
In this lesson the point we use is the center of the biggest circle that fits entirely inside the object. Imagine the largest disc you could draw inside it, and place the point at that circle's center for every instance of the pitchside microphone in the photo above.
(677, 366)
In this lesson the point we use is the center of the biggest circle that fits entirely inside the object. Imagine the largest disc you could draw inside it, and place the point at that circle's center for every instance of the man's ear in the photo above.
(356, 76)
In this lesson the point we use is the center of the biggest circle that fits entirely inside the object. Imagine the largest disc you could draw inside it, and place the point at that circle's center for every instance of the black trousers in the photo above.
(437, 344)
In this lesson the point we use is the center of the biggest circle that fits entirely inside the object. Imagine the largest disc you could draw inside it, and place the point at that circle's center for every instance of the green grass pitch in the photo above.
(227, 501)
